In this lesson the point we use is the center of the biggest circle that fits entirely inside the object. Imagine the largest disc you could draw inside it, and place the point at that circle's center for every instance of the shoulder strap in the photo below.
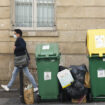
(27, 54)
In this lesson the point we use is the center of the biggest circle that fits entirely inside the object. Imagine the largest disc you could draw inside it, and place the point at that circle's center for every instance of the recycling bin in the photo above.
(96, 50)
(47, 62)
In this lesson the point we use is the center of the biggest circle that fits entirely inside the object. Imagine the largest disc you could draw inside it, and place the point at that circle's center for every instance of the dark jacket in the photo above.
(20, 47)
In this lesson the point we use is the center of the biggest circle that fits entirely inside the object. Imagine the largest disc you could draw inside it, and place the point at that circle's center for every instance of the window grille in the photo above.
(30, 13)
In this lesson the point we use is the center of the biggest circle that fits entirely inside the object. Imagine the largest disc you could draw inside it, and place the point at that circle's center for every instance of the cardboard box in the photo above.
(87, 80)
(82, 100)
(65, 78)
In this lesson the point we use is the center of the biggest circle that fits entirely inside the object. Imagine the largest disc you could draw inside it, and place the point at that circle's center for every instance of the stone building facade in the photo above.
(73, 19)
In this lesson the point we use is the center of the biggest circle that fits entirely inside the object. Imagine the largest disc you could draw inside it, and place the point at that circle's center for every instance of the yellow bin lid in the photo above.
(96, 42)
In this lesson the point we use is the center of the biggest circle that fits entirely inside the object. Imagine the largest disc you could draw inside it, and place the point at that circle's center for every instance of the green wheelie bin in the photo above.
(96, 50)
(97, 77)
(47, 62)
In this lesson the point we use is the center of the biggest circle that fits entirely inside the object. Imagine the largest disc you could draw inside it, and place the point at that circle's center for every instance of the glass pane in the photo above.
(45, 1)
(45, 14)
(23, 13)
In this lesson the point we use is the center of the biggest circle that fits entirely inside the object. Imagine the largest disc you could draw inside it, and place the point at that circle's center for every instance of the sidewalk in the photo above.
(16, 101)
(12, 98)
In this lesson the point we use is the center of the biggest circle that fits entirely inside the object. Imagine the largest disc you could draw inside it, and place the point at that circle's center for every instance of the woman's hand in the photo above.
(14, 47)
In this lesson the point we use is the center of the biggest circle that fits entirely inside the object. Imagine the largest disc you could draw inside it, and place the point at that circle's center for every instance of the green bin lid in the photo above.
(47, 50)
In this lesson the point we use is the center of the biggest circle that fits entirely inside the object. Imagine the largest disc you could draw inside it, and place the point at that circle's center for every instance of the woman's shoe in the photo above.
(5, 87)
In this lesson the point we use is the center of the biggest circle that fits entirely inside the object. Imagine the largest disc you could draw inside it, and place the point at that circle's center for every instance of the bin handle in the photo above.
(52, 54)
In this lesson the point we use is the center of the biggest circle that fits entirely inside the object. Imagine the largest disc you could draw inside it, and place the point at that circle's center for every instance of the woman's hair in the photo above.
(18, 31)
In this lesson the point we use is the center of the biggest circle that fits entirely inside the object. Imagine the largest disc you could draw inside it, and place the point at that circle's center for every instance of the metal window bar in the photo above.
(45, 13)
(24, 13)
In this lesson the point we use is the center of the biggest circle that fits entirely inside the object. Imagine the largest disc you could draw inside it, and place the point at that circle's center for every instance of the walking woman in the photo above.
(20, 51)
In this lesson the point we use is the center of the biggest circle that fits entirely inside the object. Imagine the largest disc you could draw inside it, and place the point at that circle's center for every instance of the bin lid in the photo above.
(96, 42)
(47, 50)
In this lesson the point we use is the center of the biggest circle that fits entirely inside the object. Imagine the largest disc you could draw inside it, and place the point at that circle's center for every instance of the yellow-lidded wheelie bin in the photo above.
(96, 49)
(47, 62)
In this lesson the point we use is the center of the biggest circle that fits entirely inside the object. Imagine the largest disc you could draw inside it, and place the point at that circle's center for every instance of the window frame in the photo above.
(34, 14)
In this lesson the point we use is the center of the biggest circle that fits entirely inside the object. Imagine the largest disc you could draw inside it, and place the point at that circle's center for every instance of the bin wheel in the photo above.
(90, 97)
(61, 97)
(38, 99)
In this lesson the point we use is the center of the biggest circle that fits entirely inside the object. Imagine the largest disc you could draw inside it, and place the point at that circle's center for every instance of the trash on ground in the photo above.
(82, 100)
(78, 72)
(87, 80)
(78, 87)
(65, 78)
(28, 95)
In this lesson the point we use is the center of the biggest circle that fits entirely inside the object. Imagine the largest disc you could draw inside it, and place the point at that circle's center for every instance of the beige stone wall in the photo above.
(4, 40)
(73, 19)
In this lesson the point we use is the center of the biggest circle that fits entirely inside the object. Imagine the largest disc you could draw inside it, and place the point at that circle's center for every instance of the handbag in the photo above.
(22, 61)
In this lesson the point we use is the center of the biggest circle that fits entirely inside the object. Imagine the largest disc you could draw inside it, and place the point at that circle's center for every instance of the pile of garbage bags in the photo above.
(77, 89)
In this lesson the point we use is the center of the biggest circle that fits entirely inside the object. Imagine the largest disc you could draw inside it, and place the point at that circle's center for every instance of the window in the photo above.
(35, 14)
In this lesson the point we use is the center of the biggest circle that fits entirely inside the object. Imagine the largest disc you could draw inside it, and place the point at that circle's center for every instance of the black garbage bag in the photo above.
(81, 68)
(78, 72)
(62, 68)
(76, 90)
(80, 77)
(77, 84)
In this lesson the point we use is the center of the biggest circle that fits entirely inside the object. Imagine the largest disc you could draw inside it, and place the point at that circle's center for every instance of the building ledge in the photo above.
(27, 33)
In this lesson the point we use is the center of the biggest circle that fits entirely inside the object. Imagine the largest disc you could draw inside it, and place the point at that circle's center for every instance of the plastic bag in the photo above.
(78, 72)
(77, 84)
(77, 88)
(76, 92)
(80, 77)
(81, 68)
(62, 68)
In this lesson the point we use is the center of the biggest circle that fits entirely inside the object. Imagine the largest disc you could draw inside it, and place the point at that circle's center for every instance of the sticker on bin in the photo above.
(65, 78)
(101, 73)
(47, 75)
(46, 47)
(103, 59)
(100, 41)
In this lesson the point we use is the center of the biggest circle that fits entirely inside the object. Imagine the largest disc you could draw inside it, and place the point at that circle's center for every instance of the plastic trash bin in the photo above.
(97, 77)
(96, 48)
(47, 62)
